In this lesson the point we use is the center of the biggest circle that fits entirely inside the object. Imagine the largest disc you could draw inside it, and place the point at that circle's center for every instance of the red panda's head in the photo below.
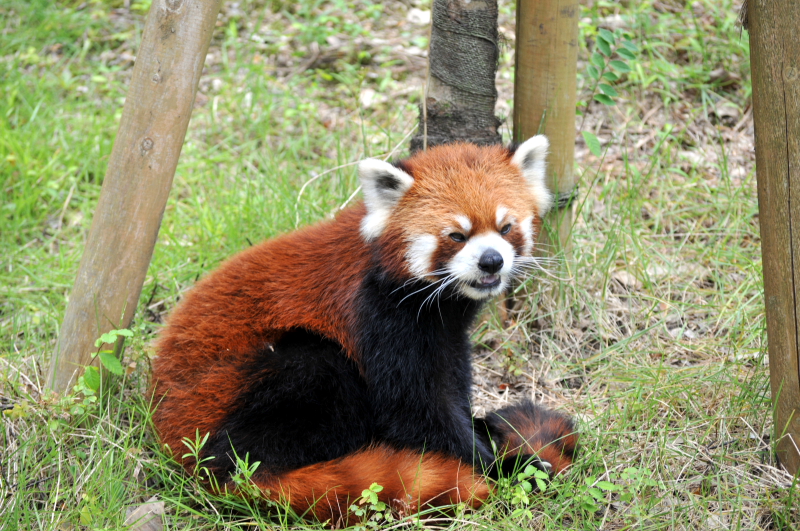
(458, 215)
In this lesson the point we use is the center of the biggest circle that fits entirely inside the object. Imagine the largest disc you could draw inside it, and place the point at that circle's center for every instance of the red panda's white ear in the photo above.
(530, 158)
(383, 186)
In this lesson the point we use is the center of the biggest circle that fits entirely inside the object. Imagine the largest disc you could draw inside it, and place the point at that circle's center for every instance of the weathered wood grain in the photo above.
(545, 94)
(139, 176)
(775, 63)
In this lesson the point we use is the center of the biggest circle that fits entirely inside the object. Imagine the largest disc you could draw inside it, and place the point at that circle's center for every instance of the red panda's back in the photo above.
(305, 279)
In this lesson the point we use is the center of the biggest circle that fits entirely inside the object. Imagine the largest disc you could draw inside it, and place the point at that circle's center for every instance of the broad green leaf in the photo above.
(92, 378)
(607, 486)
(592, 143)
(598, 61)
(605, 100)
(604, 47)
(620, 65)
(593, 72)
(86, 515)
(111, 362)
(108, 337)
(610, 76)
(606, 35)
(541, 473)
(596, 493)
(630, 46)
(111, 336)
(608, 90)
(625, 53)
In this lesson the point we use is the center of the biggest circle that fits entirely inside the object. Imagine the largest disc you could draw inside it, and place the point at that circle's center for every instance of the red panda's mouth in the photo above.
(487, 282)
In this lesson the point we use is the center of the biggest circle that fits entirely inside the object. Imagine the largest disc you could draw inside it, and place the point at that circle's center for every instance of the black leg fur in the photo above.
(306, 403)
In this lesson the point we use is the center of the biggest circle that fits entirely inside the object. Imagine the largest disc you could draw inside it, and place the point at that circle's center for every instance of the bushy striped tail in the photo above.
(410, 480)
(527, 429)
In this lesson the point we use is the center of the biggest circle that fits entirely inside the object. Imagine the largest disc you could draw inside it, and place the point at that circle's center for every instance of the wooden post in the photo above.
(545, 96)
(139, 176)
(775, 64)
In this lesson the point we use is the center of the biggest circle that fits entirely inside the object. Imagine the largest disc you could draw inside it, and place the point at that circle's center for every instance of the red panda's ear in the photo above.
(383, 186)
(530, 158)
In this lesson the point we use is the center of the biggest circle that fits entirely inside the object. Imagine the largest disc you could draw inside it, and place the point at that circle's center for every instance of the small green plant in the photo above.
(244, 470)
(195, 447)
(85, 391)
(519, 488)
(639, 482)
(371, 510)
(242, 476)
(609, 60)
(107, 357)
(593, 494)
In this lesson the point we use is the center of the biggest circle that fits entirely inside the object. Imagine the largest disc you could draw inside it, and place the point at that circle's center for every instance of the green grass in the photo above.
(652, 335)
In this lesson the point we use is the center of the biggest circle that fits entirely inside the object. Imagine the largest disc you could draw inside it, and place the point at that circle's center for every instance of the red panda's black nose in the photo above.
(490, 261)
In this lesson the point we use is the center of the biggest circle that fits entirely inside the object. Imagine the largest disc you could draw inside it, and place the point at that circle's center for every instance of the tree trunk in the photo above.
(775, 63)
(139, 176)
(460, 94)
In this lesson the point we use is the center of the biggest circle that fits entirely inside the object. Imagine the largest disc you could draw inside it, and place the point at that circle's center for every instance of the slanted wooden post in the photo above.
(545, 96)
(140, 171)
(775, 64)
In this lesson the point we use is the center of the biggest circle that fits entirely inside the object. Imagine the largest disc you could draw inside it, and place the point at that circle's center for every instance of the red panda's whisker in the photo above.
(443, 283)
(423, 288)
(446, 281)
(415, 279)
(521, 268)
(406, 283)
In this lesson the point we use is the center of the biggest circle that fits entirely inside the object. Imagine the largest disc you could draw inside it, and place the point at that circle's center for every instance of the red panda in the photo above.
(338, 355)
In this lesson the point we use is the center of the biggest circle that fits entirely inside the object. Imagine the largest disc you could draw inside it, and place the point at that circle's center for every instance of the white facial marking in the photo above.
(373, 223)
(501, 215)
(530, 158)
(464, 265)
(526, 226)
(419, 254)
(383, 185)
(465, 223)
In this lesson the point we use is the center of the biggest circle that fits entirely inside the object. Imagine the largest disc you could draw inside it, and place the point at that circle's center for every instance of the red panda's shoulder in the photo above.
(272, 287)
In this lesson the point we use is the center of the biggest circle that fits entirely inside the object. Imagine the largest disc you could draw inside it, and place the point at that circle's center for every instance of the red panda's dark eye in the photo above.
(506, 229)
(457, 237)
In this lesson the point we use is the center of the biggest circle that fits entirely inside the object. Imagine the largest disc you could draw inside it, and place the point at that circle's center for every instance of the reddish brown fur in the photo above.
(213, 326)
(213, 333)
(409, 481)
